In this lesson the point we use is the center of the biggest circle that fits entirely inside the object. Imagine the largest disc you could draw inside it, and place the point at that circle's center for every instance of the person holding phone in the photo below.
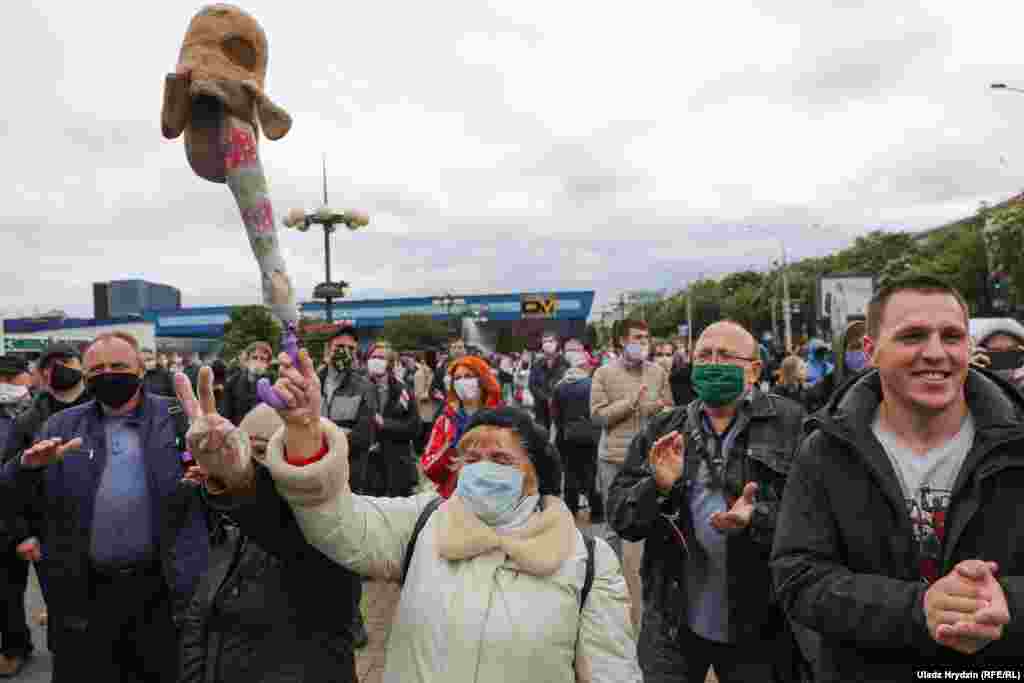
(1000, 349)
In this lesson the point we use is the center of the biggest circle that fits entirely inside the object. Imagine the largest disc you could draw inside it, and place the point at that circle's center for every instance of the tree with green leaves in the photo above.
(413, 331)
(246, 325)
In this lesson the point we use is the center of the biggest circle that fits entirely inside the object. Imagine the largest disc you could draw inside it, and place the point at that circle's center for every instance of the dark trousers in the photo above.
(15, 636)
(129, 638)
(580, 465)
(681, 656)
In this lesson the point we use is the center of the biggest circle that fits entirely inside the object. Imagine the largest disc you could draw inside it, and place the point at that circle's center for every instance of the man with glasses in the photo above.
(701, 485)
(240, 390)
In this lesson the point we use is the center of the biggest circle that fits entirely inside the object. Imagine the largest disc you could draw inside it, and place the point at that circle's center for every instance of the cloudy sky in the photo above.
(507, 146)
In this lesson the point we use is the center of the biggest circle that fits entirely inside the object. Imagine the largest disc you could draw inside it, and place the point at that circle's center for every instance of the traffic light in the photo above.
(999, 286)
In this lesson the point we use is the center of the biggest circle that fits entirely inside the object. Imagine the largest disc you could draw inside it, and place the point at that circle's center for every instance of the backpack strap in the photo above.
(588, 581)
(421, 522)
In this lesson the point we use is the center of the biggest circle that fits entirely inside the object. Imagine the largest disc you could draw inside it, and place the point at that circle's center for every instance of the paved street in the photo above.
(40, 666)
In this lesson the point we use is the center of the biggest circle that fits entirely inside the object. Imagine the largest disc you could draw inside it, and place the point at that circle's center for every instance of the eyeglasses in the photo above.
(663, 355)
(710, 355)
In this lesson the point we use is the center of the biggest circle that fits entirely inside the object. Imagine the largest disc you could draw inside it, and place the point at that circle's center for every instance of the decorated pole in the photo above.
(216, 97)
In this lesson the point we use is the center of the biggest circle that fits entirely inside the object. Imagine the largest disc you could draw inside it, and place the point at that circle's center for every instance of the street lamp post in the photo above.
(328, 218)
(1003, 86)
(448, 302)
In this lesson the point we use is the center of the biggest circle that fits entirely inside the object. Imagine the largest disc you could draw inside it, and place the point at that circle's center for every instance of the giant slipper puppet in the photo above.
(216, 97)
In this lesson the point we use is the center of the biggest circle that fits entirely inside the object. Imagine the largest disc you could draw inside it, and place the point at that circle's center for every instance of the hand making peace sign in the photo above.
(221, 450)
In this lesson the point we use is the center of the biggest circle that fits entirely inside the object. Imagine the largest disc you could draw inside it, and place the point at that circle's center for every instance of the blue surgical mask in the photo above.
(490, 490)
(856, 360)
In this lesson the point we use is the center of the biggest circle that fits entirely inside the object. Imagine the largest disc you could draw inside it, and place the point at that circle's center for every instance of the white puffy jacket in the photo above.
(480, 619)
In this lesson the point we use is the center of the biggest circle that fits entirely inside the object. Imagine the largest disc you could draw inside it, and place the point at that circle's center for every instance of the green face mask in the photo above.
(718, 384)
(342, 359)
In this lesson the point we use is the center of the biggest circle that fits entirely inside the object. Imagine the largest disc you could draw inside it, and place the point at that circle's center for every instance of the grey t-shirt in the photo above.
(927, 482)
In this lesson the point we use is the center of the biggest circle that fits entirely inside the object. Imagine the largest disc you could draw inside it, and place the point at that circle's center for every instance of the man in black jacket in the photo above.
(157, 379)
(60, 368)
(544, 375)
(701, 485)
(350, 401)
(906, 489)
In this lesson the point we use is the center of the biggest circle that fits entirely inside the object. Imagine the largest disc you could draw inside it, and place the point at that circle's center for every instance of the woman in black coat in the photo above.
(258, 614)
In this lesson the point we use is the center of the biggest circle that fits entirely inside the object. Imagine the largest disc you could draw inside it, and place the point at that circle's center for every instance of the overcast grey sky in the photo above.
(507, 146)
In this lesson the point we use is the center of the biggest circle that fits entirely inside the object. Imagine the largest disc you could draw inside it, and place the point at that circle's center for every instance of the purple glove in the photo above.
(264, 389)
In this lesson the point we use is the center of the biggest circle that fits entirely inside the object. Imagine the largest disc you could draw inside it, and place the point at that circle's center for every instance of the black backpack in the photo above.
(421, 521)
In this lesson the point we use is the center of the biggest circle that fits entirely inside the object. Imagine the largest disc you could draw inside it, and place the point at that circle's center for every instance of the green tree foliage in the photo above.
(957, 254)
(409, 332)
(246, 325)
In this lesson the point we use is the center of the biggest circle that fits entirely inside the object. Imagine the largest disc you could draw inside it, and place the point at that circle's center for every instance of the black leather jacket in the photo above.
(271, 608)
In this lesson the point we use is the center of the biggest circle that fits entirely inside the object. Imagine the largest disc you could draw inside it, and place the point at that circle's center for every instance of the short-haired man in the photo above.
(125, 538)
(897, 537)
(158, 380)
(240, 390)
(350, 401)
(624, 395)
(544, 375)
(701, 485)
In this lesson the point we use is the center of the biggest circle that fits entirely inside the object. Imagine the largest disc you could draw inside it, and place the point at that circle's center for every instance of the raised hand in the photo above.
(48, 451)
(666, 457)
(221, 450)
(738, 516)
(299, 387)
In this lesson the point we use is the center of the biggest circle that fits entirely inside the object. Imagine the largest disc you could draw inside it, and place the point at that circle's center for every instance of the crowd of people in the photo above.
(643, 512)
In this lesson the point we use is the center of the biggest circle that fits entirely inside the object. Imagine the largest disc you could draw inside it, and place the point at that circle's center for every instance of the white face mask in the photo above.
(377, 367)
(12, 393)
(467, 388)
(576, 359)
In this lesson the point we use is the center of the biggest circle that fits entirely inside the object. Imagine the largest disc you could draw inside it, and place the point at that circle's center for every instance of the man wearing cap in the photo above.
(240, 391)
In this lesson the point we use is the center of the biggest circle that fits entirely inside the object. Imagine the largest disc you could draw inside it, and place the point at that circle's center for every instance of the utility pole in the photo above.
(689, 322)
(787, 310)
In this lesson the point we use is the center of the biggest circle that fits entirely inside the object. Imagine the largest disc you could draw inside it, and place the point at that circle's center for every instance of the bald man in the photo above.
(701, 486)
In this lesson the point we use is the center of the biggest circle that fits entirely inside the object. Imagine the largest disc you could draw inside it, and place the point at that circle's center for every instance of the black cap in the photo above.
(12, 365)
(62, 351)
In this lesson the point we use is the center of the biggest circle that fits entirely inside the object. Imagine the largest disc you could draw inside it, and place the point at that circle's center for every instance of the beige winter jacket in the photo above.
(612, 404)
(477, 606)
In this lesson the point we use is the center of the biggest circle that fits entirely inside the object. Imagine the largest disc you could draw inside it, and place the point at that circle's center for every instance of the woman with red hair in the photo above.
(473, 388)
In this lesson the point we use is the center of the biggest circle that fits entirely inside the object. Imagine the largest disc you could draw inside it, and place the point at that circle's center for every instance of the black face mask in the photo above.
(114, 389)
(63, 377)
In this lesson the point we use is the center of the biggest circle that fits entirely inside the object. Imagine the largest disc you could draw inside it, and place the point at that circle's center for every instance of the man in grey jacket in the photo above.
(349, 400)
